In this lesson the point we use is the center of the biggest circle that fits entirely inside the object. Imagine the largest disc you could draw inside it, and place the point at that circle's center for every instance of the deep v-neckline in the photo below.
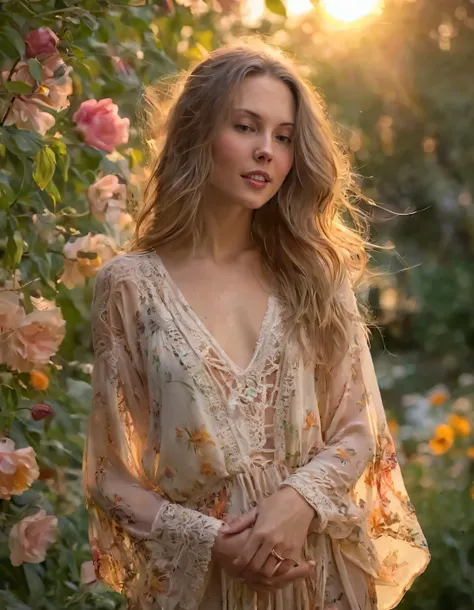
(267, 317)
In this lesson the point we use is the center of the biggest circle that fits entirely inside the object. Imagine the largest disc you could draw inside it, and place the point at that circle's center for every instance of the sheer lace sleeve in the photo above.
(354, 482)
(155, 552)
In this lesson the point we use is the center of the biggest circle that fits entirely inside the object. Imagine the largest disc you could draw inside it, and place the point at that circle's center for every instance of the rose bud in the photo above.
(40, 411)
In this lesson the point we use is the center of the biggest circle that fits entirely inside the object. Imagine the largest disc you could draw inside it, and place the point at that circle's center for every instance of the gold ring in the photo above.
(277, 556)
(295, 561)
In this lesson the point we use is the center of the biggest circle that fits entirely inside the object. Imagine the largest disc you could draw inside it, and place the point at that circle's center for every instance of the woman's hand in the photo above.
(280, 522)
(227, 547)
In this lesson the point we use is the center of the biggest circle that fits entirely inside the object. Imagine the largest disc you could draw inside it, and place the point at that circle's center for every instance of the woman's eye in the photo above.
(243, 128)
(285, 139)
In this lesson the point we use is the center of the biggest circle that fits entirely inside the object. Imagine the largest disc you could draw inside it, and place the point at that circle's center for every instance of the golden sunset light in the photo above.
(349, 10)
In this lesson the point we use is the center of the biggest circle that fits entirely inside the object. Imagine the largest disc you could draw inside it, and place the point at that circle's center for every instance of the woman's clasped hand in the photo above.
(280, 523)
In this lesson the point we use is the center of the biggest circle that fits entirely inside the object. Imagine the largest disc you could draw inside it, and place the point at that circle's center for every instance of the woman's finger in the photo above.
(239, 524)
(301, 571)
(252, 546)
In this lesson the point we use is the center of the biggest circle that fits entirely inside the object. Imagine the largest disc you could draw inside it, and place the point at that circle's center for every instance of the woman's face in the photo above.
(253, 150)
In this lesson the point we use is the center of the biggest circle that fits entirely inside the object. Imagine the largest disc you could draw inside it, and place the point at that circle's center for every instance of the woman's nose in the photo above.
(264, 150)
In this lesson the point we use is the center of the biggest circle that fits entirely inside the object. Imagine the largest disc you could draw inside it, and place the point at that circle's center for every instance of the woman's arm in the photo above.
(155, 552)
(349, 433)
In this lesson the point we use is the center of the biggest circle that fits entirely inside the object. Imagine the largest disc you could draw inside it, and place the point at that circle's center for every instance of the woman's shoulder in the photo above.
(128, 267)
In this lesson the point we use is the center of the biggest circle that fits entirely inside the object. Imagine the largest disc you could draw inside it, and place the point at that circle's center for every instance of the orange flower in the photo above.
(200, 437)
(39, 380)
(343, 453)
(438, 397)
(442, 440)
(310, 421)
(460, 425)
(179, 432)
(472, 492)
(376, 522)
(207, 469)
(470, 453)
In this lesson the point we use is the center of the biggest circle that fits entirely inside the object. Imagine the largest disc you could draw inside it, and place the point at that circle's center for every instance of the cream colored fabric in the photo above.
(180, 437)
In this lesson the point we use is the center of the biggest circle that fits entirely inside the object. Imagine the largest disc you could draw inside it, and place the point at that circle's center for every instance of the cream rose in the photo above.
(18, 469)
(30, 538)
(32, 343)
(108, 199)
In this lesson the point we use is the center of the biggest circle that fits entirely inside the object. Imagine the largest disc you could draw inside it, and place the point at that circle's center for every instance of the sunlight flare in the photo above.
(350, 10)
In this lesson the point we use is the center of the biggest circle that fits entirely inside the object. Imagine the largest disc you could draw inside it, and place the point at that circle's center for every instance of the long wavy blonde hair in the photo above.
(311, 235)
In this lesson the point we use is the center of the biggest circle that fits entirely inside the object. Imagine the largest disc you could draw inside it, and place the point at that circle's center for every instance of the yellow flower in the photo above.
(460, 425)
(470, 452)
(442, 440)
(201, 437)
(207, 469)
(393, 426)
(310, 421)
(89, 266)
(39, 380)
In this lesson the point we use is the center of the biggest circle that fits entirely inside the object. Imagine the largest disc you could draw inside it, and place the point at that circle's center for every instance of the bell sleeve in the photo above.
(354, 482)
(157, 553)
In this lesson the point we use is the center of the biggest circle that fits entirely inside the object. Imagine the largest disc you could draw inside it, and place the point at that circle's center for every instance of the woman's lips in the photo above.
(257, 184)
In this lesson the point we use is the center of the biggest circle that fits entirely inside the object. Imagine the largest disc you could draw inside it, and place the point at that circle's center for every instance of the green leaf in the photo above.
(17, 87)
(15, 39)
(276, 6)
(34, 579)
(62, 157)
(44, 166)
(36, 69)
(14, 250)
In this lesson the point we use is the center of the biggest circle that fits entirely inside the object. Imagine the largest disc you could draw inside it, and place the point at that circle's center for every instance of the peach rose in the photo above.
(18, 469)
(85, 256)
(30, 538)
(88, 576)
(32, 343)
(107, 199)
(11, 314)
(56, 85)
(11, 311)
(41, 43)
(100, 124)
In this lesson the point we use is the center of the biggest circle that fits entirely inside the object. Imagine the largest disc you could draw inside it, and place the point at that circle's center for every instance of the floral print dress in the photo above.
(180, 437)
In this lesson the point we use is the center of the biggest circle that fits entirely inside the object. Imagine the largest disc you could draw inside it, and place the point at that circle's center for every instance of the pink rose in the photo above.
(27, 110)
(100, 125)
(41, 43)
(107, 199)
(30, 538)
(40, 410)
(85, 256)
(32, 343)
(18, 469)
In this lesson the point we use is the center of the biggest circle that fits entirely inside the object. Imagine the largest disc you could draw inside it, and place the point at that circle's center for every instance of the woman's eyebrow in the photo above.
(257, 116)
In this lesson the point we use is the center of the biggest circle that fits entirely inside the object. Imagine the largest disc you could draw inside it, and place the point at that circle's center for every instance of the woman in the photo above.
(238, 455)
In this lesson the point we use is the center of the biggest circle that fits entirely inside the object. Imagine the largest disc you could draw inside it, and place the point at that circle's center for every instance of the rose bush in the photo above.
(70, 156)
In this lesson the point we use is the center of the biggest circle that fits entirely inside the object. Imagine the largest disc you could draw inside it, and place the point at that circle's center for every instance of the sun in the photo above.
(349, 10)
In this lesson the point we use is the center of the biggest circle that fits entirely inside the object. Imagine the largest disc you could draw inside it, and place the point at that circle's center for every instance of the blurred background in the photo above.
(397, 77)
